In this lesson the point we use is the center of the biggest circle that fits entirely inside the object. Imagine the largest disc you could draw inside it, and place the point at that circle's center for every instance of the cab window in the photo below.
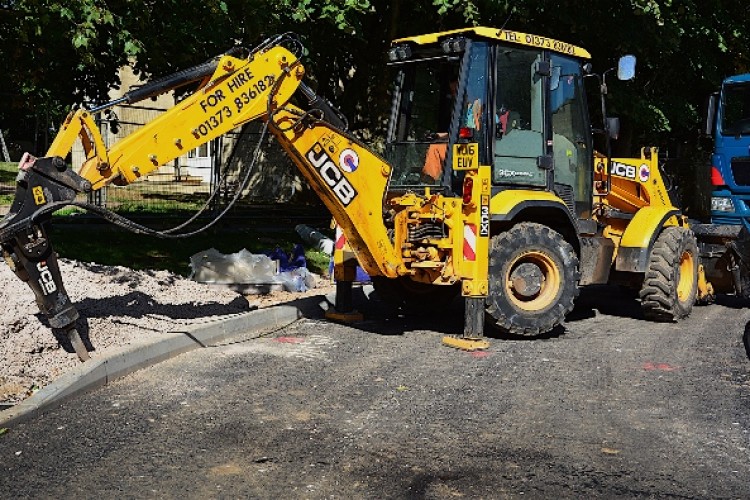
(519, 118)
(571, 139)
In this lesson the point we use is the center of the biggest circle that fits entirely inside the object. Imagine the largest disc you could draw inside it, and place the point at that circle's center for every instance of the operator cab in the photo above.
(520, 98)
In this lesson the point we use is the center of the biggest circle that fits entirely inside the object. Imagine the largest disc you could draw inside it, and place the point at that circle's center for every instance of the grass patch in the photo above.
(109, 245)
(112, 246)
(8, 173)
(156, 197)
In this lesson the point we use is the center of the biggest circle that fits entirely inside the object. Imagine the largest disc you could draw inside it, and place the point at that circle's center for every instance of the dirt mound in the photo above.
(117, 306)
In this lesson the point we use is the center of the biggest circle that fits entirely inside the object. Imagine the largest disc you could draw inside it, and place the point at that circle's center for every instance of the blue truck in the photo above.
(728, 123)
(725, 243)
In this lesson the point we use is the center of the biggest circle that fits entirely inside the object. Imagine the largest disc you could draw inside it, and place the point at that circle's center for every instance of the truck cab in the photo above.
(729, 125)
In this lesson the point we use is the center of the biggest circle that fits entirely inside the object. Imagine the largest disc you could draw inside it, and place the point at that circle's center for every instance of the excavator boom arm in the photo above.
(349, 178)
(237, 92)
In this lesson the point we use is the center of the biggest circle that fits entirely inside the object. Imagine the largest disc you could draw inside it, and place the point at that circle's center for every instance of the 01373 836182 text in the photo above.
(241, 92)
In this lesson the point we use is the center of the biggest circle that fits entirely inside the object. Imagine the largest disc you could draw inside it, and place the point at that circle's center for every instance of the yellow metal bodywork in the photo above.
(505, 202)
(465, 344)
(354, 198)
(635, 206)
(705, 288)
(344, 317)
(350, 179)
(475, 217)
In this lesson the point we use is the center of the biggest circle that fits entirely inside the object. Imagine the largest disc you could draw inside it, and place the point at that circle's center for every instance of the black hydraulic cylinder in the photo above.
(331, 114)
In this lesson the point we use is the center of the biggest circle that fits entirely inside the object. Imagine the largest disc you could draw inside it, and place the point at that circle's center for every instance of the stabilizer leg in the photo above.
(473, 337)
(343, 310)
(344, 272)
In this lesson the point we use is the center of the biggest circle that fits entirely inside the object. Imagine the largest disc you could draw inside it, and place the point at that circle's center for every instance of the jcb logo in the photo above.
(622, 170)
(45, 279)
(38, 193)
(331, 174)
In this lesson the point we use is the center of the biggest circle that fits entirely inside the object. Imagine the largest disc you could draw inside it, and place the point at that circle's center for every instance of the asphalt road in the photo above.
(611, 406)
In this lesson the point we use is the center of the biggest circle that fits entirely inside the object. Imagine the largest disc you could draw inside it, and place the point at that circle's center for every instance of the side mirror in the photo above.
(626, 68)
(710, 117)
(613, 124)
(554, 79)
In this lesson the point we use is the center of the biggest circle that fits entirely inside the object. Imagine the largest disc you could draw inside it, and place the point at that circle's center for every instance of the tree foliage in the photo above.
(60, 53)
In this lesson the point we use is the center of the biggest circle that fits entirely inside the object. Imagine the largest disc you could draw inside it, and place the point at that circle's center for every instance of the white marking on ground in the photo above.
(311, 348)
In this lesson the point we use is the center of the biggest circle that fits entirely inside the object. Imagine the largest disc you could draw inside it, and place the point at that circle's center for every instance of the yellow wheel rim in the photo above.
(533, 281)
(686, 281)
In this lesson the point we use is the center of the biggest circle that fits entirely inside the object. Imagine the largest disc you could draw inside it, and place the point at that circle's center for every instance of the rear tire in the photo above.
(670, 285)
(533, 274)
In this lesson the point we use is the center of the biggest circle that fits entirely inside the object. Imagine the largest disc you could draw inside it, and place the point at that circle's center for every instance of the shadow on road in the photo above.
(611, 300)
(384, 319)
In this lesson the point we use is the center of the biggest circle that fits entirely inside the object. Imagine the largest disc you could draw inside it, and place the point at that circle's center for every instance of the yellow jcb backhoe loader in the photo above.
(488, 186)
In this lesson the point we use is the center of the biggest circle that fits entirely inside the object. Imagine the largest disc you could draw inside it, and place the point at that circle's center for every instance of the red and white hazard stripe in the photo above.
(340, 238)
(470, 242)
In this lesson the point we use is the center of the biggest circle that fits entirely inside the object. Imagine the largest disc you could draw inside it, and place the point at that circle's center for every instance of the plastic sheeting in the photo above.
(245, 268)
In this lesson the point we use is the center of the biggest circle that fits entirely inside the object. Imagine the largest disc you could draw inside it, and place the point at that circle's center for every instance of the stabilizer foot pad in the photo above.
(465, 344)
(347, 317)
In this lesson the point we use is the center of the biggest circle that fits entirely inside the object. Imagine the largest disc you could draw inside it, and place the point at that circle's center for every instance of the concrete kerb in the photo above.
(100, 371)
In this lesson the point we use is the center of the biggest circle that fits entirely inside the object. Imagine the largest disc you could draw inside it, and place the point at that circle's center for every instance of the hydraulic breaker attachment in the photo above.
(25, 243)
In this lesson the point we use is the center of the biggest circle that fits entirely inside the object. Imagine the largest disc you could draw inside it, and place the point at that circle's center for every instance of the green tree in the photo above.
(60, 53)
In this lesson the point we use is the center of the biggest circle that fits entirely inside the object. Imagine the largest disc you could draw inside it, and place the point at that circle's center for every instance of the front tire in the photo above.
(670, 285)
(533, 276)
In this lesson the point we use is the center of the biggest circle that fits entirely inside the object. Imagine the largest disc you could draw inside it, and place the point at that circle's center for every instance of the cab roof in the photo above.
(744, 78)
(506, 36)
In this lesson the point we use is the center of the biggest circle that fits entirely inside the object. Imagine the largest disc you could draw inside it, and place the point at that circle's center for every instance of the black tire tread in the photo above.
(532, 235)
(658, 294)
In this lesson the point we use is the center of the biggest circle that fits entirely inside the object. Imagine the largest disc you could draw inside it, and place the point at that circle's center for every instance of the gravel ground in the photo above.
(608, 406)
(118, 306)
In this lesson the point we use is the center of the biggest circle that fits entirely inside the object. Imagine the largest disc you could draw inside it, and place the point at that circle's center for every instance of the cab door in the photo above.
(571, 138)
(519, 119)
